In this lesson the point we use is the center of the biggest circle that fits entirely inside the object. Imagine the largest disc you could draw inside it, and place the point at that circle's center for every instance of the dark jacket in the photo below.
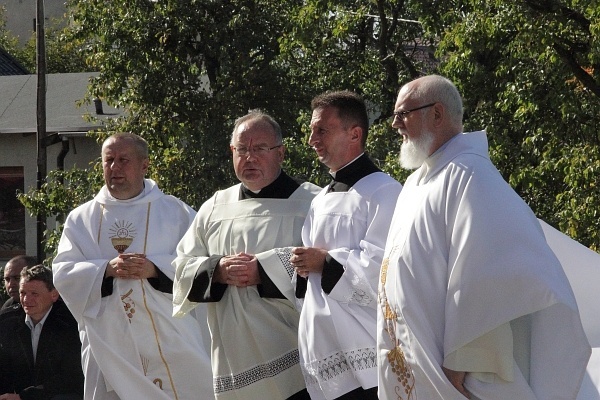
(57, 369)
(9, 304)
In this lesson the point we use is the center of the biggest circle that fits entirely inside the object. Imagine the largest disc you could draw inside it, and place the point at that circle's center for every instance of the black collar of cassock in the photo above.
(346, 177)
(281, 188)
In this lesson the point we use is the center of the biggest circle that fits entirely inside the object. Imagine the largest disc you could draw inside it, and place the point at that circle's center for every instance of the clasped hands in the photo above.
(308, 259)
(239, 270)
(131, 266)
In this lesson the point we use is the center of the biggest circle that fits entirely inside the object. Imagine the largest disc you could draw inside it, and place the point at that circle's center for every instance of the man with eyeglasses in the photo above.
(235, 257)
(338, 266)
(472, 303)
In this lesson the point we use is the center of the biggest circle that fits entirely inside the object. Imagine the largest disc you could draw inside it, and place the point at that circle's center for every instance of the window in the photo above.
(12, 213)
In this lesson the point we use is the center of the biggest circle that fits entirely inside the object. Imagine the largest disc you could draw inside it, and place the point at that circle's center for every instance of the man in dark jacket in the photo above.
(39, 344)
(12, 275)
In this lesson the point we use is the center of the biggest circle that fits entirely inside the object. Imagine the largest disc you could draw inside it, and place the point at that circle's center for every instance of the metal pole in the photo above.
(41, 120)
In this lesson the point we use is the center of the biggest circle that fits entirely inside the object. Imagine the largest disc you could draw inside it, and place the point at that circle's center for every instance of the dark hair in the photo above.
(28, 260)
(350, 106)
(38, 273)
(259, 115)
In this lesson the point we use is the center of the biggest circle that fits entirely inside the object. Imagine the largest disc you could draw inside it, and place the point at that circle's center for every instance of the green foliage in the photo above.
(7, 40)
(530, 75)
(62, 192)
(63, 55)
(184, 70)
(364, 46)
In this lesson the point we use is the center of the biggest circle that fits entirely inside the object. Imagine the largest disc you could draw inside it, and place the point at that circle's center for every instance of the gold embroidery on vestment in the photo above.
(395, 356)
(123, 235)
(128, 304)
(123, 230)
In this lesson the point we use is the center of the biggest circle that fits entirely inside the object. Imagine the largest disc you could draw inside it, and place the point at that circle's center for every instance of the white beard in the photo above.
(414, 152)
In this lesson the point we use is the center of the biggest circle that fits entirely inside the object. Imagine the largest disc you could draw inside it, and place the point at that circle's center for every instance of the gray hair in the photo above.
(258, 115)
(436, 88)
(139, 142)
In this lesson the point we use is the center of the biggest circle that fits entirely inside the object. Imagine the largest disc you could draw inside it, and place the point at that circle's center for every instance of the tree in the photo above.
(8, 41)
(530, 74)
(61, 192)
(370, 47)
(185, 70)
(63, 55)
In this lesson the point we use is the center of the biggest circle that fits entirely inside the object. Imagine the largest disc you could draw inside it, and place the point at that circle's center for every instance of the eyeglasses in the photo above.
(404, 113)
(257, 150)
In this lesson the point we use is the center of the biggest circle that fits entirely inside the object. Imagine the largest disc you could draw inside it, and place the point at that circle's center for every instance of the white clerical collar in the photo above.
(333, 173)
(29, 322)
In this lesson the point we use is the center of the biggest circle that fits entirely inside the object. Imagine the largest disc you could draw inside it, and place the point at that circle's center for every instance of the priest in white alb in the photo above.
(235, 258)
(473, 303)
(114, 272)
(338, 266)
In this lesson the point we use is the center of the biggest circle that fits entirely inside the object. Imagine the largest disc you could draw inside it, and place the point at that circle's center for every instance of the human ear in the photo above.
(356, 133)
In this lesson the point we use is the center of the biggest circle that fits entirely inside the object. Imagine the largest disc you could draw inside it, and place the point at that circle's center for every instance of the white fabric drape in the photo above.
(465, 257)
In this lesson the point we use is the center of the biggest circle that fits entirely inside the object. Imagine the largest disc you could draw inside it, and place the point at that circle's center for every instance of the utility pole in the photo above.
(41, 119)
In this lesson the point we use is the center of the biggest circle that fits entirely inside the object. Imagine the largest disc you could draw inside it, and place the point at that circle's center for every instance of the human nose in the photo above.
(250, 154)
(397, 121)
(115, 165)
(312, 139)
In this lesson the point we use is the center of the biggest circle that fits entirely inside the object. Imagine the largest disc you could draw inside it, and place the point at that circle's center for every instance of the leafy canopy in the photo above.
(184, 70)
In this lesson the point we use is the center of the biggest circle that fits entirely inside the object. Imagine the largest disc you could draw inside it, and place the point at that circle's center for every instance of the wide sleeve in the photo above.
(501, 268)
(78, 277)
(361, 259)
(276, 266)
(175, 216)
(192, 253)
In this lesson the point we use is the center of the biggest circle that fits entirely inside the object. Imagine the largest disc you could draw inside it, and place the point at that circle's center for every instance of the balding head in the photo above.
(12, 272)
(428, 113)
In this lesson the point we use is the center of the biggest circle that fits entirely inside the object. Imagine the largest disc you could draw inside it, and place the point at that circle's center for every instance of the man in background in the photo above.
(39, 343)
(12, 271)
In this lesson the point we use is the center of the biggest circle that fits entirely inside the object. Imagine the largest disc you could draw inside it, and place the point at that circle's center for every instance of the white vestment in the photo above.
(132, 347)
(582, 267)
(337, 337)
(469, 282)
(254, 339)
